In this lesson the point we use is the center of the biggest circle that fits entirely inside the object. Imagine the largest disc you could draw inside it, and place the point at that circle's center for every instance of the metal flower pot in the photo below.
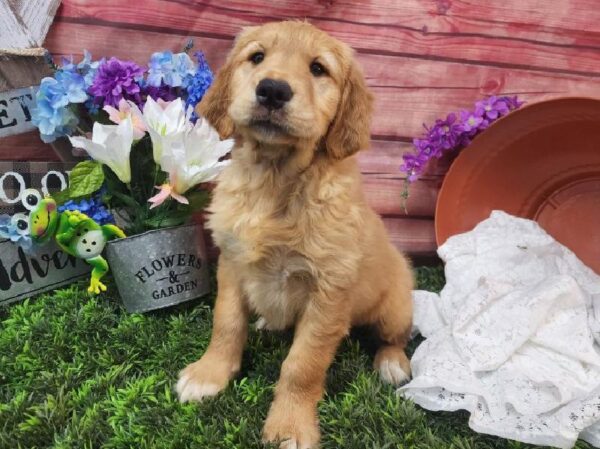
(160, 268)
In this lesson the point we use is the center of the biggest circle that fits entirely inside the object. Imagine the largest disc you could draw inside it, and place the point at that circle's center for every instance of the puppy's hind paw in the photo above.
(261, 324)
(393, 365)
(391, 372)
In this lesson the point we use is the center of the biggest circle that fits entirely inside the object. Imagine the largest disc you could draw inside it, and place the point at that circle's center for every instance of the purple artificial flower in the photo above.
(492, 108)
(164, 92)
(413, 165)
(513, 102)
(453, 134)
(445, 133)
(116, 79)
(470, 122)
(428, 147)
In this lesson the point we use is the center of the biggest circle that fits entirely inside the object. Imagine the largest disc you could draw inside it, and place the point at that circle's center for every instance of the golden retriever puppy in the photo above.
(299, 245)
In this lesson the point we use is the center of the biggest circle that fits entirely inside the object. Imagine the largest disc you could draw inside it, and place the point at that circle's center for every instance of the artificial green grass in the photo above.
(80, 372)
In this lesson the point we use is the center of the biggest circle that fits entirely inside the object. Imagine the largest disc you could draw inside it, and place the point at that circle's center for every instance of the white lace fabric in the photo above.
(513, 337)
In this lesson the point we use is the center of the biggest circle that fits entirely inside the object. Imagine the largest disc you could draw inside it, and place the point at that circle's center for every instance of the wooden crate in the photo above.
(422, 59)
(23, 28)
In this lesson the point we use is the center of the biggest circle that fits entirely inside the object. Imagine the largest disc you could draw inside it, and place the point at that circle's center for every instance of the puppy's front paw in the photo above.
(204, 378)
(293, 426)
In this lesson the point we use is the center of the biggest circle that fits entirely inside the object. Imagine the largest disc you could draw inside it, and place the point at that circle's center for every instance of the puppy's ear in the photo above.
(215, 103)
(350, 130)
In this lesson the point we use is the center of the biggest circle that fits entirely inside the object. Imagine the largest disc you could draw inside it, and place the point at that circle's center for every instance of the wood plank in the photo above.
(21, 71)
(510, 18)
(571, 22)
(410, 28)
(412, 235)
(385, 157)
(405, 99)
(384, 183)
(26, 147)
(385, 195)
(65, 39)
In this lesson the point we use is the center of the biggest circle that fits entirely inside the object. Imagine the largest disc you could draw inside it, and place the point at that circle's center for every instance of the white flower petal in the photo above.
(110, 145)
(164, 125)
(188, 153)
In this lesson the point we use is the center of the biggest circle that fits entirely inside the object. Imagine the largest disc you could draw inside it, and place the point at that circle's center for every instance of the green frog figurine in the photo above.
(77, 234)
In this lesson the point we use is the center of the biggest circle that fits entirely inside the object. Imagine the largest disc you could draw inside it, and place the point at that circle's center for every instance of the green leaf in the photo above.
(175, 218)
(145, 174)
(198, 201)
(86, 178)
(126, 200)
(62, 197)
(113, 183)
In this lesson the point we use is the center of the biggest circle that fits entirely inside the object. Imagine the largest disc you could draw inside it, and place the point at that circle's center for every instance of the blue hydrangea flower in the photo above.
(198, 84)
(86, 68)
(170, 69)
(51, 113)
(92, 107)
(9, 230)
(93, 208)
(72, 87)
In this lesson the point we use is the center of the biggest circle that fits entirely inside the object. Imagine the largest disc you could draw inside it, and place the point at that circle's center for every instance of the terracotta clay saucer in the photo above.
(541, 162)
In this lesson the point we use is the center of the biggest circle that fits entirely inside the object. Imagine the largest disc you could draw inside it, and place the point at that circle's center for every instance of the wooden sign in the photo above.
(15, 177)
(15, 111)
(24, 24)
(26, 272)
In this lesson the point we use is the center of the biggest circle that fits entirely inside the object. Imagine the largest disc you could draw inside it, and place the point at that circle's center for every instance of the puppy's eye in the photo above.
(317, 69)
(257, 57)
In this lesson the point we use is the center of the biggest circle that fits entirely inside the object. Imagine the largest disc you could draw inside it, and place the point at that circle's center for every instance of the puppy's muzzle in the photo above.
(273, 94)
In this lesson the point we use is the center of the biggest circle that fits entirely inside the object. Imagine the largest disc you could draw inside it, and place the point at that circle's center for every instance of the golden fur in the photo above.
(299, 245)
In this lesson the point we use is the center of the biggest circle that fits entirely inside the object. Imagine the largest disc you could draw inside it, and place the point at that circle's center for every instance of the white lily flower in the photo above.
(110, 145)
(191, 160)
(165, 123)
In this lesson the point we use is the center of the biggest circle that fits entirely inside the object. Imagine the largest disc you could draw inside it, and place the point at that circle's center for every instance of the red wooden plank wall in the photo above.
(422, 59)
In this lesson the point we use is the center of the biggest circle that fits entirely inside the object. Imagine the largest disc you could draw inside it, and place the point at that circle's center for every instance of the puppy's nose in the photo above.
(273, 94)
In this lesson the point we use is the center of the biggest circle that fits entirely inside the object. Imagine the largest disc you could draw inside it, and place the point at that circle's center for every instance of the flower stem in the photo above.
(404, 195)
(156, 168)
(138, 220)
